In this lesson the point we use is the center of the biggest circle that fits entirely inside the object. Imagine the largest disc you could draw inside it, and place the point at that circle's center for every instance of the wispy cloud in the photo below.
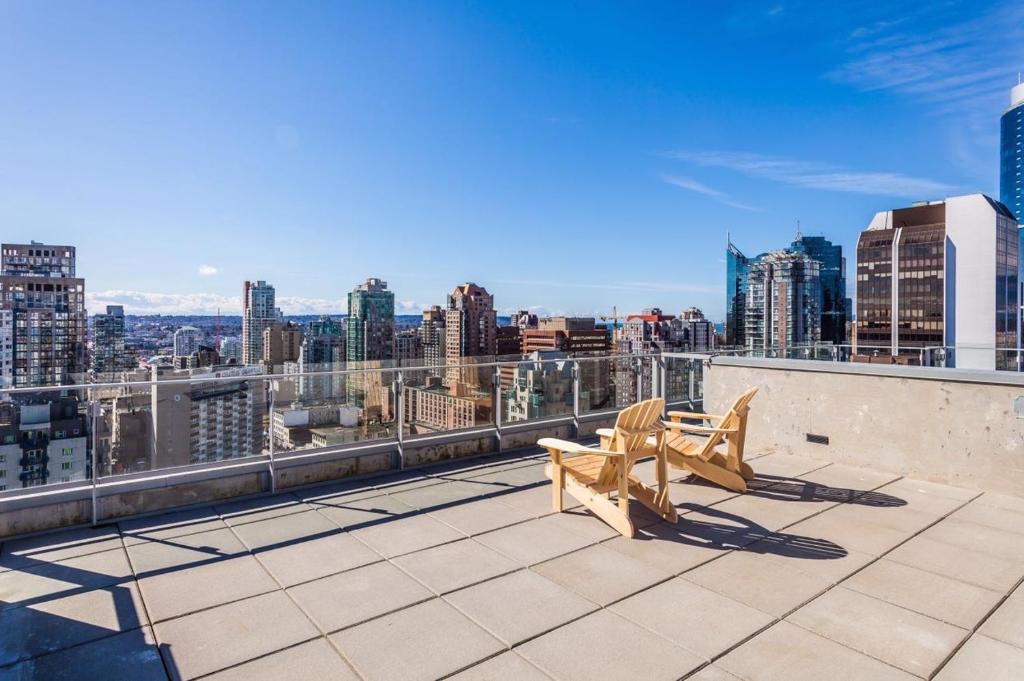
(952, 64)
(814, 175)
(695, 186)
(207, 270)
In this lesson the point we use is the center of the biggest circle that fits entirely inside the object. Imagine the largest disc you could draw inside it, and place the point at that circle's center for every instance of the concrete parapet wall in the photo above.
(947, 425)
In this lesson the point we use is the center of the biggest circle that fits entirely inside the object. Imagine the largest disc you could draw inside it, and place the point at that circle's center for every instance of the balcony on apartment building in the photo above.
(882, 537)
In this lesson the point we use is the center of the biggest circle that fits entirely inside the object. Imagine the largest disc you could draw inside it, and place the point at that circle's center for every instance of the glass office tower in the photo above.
(737, 268)
(834, 305)
(1011, 155)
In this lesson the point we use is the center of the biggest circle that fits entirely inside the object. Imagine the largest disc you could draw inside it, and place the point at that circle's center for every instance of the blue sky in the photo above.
(568, 156)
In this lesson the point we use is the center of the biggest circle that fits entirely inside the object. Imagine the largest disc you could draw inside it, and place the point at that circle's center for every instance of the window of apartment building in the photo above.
(66, 465)
(67, 451)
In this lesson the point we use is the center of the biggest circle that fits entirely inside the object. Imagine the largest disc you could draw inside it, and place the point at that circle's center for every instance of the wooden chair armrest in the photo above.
(605, 432)
(675, 415)
(567, 447)
(700, 430)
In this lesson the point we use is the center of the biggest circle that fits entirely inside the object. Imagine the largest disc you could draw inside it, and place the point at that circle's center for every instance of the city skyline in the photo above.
(478, 136)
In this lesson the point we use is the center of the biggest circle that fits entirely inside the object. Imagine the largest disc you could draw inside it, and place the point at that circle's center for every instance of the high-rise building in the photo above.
(540, 389)
(471, 330)
(231, 351)
(371, 322)
(783, 302)
(835, 306)
(649, 331)
(567, 334)
(736, 270)
(1011, 154)
(579, 337)
(258, 312)
(508, 341)
(942, 274)
(44, 316)
(434, 407)
(524, 319)
(187, 340)
(42, 442)
(207, 420)
(698, 334)
(323, 349)
(281, 343)
(432, 336)
(408, 346)
(110, 355)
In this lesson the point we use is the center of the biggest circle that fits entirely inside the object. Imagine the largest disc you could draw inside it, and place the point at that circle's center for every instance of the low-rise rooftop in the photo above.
(820, 571)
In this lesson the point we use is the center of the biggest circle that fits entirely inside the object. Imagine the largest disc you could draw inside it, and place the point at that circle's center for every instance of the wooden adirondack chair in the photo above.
(702, 458)
(590, 474)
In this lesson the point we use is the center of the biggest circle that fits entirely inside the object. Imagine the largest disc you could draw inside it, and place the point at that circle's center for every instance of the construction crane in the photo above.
(614, 318)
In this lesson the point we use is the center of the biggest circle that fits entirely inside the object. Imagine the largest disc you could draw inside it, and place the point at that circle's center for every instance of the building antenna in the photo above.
(798, 235)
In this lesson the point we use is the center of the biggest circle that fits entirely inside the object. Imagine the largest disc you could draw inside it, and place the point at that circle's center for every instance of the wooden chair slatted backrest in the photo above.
(632, 428)
(734, 418)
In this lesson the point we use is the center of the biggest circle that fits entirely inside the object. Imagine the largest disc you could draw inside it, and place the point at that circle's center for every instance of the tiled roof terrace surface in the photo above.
(820, 571)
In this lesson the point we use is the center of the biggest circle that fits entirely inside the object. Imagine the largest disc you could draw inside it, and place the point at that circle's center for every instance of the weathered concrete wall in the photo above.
(115, 505)
(28, 520)
(945, 425)
(312, 473)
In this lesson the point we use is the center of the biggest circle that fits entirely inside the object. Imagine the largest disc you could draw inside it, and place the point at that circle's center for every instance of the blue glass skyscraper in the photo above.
(1011, 154)
(834, 304)
(737, 267)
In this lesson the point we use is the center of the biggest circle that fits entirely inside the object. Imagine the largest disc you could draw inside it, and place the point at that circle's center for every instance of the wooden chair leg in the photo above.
(746, 471)
(649, 498)
(661, 466)
(602, 507)
(557, 475)
(623, 489)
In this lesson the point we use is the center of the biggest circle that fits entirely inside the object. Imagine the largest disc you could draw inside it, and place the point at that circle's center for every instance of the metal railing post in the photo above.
(398, 386)
(693, 382)
(497, 405)
(270, 427)
(94, 409)
(663, 385)
(576, 398)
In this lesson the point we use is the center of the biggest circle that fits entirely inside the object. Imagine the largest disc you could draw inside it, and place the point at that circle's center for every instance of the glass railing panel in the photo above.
(683, 380)
(330, 407)
(457, 397)
(606, 384)
(45, 438)
(536, 389)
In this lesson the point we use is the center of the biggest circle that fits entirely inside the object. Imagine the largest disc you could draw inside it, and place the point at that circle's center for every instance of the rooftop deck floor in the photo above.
(821, 571)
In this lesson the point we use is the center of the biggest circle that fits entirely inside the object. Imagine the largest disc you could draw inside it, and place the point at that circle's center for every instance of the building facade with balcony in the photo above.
(45, 320)
(110, 354)
(783, 301)
(43, 442)
(259, 312)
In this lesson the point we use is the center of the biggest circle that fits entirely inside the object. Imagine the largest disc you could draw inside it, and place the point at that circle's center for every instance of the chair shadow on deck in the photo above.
(794, 489)
(710, 528)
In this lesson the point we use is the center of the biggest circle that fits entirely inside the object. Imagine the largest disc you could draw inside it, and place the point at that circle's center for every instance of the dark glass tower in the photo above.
(1011, 155)
(737, 267)
(834, 305)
